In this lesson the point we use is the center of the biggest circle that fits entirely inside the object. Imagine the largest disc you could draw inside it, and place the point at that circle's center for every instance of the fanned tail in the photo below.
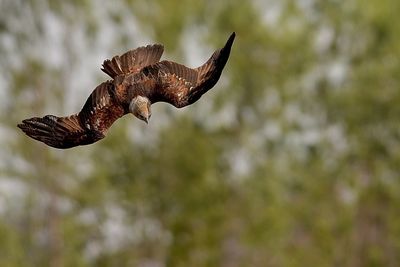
(133, 60)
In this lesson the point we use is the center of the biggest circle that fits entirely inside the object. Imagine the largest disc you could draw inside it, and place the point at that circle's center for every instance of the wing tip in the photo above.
(22, 126)
(230, 40)
(32, 126)
(26, 124)
(40, 130)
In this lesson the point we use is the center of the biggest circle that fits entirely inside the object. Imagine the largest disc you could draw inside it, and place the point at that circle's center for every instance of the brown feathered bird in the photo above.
(139, 80)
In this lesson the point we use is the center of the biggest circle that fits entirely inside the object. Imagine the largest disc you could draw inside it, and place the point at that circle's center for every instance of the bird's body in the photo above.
(139, 80)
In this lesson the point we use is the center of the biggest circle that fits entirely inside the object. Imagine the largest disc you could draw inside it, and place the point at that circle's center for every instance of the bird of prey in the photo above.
(139, 79)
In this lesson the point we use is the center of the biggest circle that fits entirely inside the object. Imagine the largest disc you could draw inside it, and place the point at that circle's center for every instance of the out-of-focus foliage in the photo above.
(293, 159)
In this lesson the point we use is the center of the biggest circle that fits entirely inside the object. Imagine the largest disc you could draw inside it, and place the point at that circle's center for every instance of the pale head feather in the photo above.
(140, 107)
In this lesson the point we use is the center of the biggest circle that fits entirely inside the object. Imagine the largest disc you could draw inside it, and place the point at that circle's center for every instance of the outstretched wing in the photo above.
(87, 127)
(133, 60)
(59, 132)
(182, 86)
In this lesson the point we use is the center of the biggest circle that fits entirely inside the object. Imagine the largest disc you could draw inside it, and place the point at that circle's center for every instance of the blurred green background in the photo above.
(293, 159)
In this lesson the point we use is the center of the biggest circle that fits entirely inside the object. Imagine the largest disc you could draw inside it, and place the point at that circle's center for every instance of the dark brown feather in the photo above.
(133, 61)
(182, 86)
(59, 132)
(87, 127)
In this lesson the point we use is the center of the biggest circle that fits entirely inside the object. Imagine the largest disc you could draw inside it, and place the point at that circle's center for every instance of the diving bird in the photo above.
(139, 79)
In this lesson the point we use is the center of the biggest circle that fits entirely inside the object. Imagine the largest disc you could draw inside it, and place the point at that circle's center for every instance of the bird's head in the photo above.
(140, 107)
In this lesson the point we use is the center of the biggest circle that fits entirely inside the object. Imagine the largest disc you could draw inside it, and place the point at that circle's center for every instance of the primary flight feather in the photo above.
(139, 79)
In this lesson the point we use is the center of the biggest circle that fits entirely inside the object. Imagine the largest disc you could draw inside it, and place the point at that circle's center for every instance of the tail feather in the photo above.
(133, 60)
